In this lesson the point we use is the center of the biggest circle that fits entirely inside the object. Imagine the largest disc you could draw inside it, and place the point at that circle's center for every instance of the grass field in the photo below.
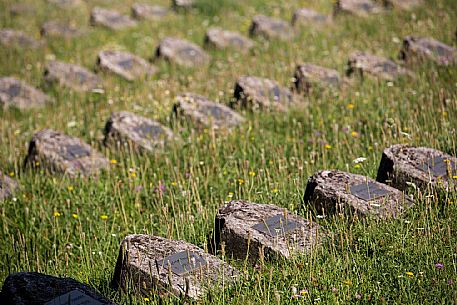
(73, 227)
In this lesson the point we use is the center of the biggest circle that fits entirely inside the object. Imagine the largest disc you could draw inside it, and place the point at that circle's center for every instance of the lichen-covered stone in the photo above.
(308, 76)
(271, 28)
(360, 63)
(16, 38)
(251, 230)
(334, 192)
(222, 39)
(16, 93)
(143, 266)
(60, 29)
(72, 76)
(58, 152)
(357, 7)
(261, 93)
(402, 4)
(125, 64)
(182, 52)
(7, 186)
(141, 133)
(32, 288)
(148, 12)
(110, 19)
(304, 16)
(402, 164)
(205, 113)
(423, 48)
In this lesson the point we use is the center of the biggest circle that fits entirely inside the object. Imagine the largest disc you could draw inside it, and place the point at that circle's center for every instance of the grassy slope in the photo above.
(283, 150)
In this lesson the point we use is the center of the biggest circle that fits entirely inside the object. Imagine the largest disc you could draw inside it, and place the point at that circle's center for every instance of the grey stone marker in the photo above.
(143, 134)
(125, 64)
(149, 262)
(64, 154)
(402, 4)
(72, 76)
(360, 8)
(17, 93)
(423, 48)
(402, 164)
(271, 28)
(32, 288)
(15, 38)
(7, 186)
(304, 16)
(183, 4)
(308, 76)
(66, 3)
(251, 230)
(110, 19)
(262, 93)
(182, 52)
(221, 39)
(363, 63)
(332, 192)
(60, 29)
(148, 12)
(205, 113)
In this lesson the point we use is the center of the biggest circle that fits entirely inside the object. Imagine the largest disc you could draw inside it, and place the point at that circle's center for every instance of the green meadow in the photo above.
(73, 227)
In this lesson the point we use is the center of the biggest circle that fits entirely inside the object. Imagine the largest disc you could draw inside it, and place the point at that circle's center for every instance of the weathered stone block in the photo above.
(332, 192)
(362, 63)
(72, 76)
(423, 48)
(15, 38)
(141, 133)
(271, 28)
(261, 93)
(7, 186)
(60, 29)
(308, 76)
(17, 93)
(205, 113)
(148, 263)
(148, 12)
(183, 4)
(111, 19)
(360, 8)
(401, 164)
(304, 16)
(66, 3)
(251, 230)
(182, 52)
(402, 4)
(221, 39)
(64, 154)
(31, 288)
(125, 65)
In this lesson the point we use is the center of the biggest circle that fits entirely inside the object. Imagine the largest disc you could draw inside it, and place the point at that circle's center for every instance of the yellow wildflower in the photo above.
(347, 282)
(174, 183)
(454, 177)
(75, 216)
(357, 166)
(328, 146)
(409, 274)
(133, 174)
(275, 190)
(113, 161)
(12, 174)
(350, 106)
(146, 299)
(104, 217)
(251, 173)
(240, 181)
(56, 214)
(355, 134)
(70, 188)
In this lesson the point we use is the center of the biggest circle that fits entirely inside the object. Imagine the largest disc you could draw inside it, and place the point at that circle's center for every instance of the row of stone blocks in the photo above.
(247, 231)
(250, 91)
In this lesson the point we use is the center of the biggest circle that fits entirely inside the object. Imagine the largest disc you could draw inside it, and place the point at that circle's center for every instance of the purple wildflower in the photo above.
(450, 282)
(439, 266)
